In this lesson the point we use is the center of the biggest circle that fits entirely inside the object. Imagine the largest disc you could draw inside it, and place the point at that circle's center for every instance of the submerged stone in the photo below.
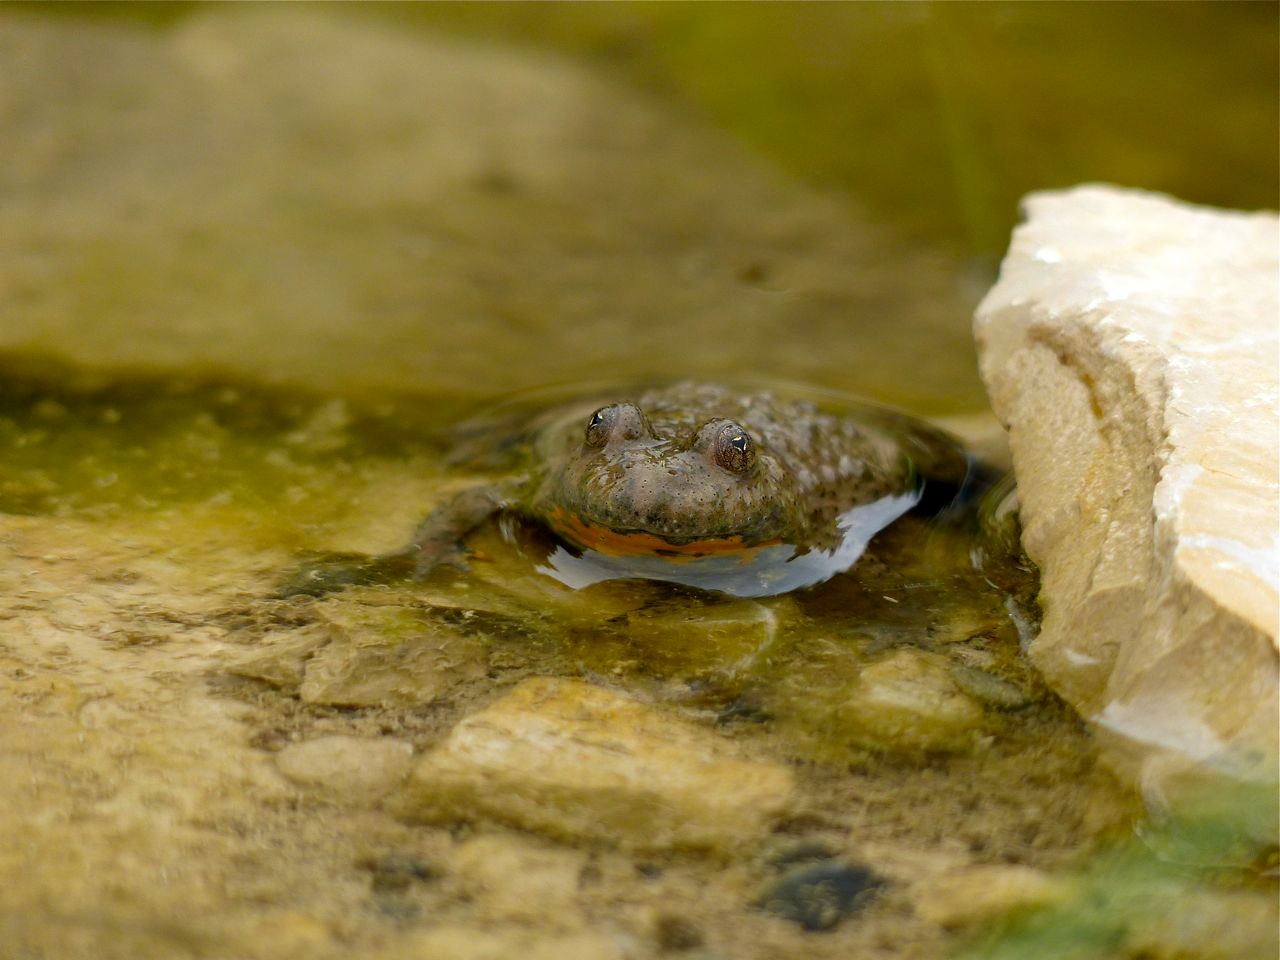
(578, 762)
(207, 134)
(389, 655)
(682, 637)
(358, 767)
(281, 659)
(818, 897)
(990, 689)
(907, 701)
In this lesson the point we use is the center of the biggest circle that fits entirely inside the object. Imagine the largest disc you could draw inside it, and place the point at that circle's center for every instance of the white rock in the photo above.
(576, 761)
(1130, 347)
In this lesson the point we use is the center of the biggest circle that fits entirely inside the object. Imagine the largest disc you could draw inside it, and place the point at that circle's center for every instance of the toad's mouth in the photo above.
(630, 543)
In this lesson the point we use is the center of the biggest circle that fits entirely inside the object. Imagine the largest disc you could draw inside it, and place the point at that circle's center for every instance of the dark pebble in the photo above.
(395, 872)
(819, 896)
(676, 934)
(743, 709)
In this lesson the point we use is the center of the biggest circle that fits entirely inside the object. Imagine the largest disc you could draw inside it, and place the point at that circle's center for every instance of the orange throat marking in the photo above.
(614, 544)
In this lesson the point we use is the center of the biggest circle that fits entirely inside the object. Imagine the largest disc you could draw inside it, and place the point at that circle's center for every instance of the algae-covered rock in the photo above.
(281, 656)
(907, 701)
(986, 687)
(310, 197)
(685, 637)
(579, 762)
(389, 655)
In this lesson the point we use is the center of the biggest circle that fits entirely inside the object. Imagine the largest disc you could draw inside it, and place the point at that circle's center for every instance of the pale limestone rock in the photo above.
(978, 894)
(1130, 346)
(575, 761)
(360, 768)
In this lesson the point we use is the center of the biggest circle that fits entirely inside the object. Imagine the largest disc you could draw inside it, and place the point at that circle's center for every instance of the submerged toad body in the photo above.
(746, 492)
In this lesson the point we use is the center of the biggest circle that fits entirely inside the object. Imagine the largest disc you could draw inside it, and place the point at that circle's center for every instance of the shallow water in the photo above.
(287, 251)
(146, 555)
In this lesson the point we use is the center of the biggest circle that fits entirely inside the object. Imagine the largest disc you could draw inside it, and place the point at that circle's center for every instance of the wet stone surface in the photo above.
(576, 761)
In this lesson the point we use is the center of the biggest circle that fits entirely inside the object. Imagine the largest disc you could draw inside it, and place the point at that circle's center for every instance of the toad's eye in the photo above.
(618, 421)
(600, 426)
(734, 449)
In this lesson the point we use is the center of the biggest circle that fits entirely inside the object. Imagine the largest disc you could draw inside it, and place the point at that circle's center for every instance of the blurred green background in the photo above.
(937, 117)
(461, 199)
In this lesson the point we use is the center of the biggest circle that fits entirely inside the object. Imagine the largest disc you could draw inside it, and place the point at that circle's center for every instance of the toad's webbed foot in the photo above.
(332, 572)
(440, 539)
(438, 542)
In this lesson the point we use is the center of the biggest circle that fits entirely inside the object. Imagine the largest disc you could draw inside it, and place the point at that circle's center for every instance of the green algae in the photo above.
(1167, 893)
(96, 444)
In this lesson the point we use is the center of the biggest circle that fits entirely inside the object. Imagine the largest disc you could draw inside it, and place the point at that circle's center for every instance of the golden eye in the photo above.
(617, 422)
(734, 449)
(599, 427)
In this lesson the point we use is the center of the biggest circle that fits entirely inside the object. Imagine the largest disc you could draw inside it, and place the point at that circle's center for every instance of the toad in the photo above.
(750, 492)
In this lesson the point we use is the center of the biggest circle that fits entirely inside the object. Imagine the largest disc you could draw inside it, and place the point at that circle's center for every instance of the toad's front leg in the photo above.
(439, 541)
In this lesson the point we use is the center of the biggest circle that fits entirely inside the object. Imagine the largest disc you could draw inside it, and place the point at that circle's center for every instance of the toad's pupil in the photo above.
(598, 428)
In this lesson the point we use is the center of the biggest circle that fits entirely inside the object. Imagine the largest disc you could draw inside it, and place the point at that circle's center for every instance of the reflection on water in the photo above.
(767, 571)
